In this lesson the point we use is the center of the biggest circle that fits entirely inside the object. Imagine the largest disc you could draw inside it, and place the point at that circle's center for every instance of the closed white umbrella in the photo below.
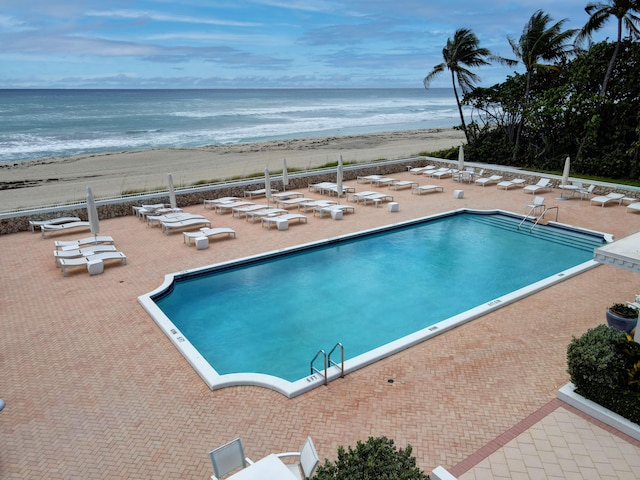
(267, 184)
(172, 193)
(285, 174)
(92, 214)
(565, 172)
(461, 159)
(339, 178)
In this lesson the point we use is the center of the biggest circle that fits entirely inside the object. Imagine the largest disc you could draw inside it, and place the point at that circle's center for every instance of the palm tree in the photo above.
(625, 12)
(541, 46)
(460, 54)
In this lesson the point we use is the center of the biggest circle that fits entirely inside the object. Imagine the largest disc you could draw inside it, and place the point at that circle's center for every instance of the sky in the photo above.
(255, 43)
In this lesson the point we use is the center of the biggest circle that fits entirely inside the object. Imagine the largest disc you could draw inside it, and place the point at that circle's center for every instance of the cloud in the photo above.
(161, 17)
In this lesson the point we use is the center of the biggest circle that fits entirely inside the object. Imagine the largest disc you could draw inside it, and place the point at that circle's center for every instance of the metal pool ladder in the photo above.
(327, 362)
(537, 218)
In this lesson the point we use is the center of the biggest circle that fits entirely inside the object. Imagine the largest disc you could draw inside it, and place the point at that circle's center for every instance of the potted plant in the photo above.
(623, 317)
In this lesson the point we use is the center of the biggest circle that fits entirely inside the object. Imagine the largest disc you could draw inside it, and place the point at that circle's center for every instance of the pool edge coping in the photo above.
(216, 381)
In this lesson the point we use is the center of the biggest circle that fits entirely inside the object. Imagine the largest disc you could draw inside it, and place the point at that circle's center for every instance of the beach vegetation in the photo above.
(542, 46)
(626, 13)
(566, 114)
(376, 458)
(460, 54)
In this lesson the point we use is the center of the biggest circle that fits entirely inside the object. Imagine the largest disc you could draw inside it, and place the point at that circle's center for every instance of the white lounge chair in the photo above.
(447, 172)
(64, 227)
(81, 252)
(141, 210)
(229, 206)
(356, 197)
(84, 261)
(287, 195)
(227, 458)
(426, 188)
(377, 198)
(262, 192)
(246, 209)
(633, 207)
(420, 170)
(507, 184)
(543, 184)
(315, 203)
(34, 224)
(71, 244)
(381, 182)
(334, 189)
(484, 181)
(214, 201)
(267, 212)
(431, 172)
(292, 201)
(609, 197)
(283, 220)
(367, 178)
(308, 460)
(332, 208)
(168, 227)
(170, 217)
(317, 187)
(207, 232)
(398, 184)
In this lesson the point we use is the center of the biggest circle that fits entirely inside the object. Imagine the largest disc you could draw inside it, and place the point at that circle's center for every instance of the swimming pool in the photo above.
(260, 320)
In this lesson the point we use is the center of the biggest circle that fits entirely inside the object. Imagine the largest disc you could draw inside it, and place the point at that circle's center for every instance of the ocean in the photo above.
(39, 124)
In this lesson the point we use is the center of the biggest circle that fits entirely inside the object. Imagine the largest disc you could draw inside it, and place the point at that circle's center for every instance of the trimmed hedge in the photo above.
(377, 458)
(604, 365)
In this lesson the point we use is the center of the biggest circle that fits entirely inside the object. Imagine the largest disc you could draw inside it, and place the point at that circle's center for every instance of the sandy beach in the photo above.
(57, 180)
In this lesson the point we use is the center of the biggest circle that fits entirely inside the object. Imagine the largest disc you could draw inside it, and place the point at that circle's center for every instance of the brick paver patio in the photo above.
(95, 390)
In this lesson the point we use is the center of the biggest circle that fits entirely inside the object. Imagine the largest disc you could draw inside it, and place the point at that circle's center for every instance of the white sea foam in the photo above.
(40, 124)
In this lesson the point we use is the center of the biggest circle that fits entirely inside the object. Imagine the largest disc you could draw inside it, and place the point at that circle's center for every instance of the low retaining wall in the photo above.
(12, 222)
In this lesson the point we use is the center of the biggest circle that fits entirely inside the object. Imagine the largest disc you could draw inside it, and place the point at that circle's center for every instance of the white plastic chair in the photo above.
(538, 203)
(227, 458)
(308, 460)
(585, 192)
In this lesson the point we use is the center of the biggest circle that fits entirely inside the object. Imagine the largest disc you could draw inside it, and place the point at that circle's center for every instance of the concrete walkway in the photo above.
(95, 390)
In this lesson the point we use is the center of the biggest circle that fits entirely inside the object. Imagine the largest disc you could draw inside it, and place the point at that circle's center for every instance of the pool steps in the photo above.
(556, 234)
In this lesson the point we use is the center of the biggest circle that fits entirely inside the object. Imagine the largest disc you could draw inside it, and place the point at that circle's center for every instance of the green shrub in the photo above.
(604, 365)
(376, 459)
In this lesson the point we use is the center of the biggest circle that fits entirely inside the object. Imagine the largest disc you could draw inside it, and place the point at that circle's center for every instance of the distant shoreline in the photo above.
(33, 183)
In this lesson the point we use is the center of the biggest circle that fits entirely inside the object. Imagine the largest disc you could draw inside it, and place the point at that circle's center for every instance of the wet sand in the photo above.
(59, 180)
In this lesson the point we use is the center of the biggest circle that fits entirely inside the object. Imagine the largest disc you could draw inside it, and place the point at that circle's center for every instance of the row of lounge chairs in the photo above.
(543, 184)
(174, 221)
(88, 252)
(268, 215)
(142, 211)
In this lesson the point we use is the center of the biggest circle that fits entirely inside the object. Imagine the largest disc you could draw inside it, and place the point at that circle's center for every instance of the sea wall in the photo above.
(12, 222)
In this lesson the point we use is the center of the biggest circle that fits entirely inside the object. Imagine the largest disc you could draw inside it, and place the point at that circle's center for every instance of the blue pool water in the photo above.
(271, 315)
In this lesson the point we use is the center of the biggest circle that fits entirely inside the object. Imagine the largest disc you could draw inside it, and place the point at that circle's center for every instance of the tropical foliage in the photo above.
(377, 458)
(582, 103)
(461, 53)
(604, 365)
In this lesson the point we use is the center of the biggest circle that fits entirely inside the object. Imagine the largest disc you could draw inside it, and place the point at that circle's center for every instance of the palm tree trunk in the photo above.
(603, 87)
(520, 124)
(455, 92)
(607, 76)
